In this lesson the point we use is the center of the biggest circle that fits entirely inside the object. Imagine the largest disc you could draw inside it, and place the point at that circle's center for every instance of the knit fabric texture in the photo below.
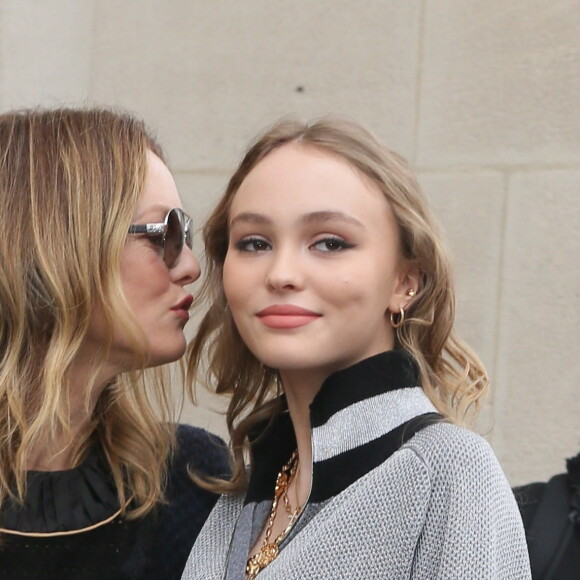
(149, 548)
(439, 507)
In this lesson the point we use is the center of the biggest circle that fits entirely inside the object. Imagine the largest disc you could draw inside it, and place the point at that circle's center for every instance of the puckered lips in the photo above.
(182, 307)
(285, 316)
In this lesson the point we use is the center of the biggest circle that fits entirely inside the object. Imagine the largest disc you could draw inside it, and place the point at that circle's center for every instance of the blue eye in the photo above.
(252, 245)
(331, 244)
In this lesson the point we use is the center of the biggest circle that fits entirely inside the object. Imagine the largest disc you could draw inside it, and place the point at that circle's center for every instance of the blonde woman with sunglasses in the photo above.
(95, 261)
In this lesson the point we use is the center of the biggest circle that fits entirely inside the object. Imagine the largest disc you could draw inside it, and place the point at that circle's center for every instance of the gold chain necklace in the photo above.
(269, 551)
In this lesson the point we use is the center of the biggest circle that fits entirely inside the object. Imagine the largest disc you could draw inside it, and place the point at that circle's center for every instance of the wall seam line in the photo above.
(419, 81)
(498, 390)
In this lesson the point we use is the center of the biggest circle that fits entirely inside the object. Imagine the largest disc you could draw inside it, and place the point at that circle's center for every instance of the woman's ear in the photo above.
(406, 288)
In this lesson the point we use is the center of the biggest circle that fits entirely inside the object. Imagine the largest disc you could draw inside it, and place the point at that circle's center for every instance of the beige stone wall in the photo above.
(482, 97)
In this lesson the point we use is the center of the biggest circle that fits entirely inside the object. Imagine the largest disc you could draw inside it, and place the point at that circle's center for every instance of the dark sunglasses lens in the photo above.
(173, 239)
(188, 235)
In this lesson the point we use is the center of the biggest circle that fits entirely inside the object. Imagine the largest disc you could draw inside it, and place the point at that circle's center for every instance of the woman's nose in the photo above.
(284, 271)
(187, 269)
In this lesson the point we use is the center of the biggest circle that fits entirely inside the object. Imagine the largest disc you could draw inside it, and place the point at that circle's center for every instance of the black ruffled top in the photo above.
(70, 528)
(64, 501)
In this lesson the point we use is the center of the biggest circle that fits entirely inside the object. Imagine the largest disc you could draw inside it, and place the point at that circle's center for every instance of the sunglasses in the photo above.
(174, 233)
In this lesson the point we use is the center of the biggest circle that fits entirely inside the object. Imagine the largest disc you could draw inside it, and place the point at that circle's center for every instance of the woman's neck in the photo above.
(300, 390)
(60, 451)
(57, 454)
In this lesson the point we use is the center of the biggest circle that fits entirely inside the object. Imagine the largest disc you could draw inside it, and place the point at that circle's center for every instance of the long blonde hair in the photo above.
(70, 181)
(452, 375)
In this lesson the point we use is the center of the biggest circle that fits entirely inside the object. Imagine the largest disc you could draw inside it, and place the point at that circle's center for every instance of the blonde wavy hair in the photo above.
(70, 181)
(451, 374)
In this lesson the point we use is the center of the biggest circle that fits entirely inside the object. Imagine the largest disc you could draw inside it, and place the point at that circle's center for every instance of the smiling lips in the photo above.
(286, 316)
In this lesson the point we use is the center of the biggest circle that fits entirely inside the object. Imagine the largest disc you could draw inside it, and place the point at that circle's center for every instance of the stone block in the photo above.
(500, 83)
(211, 75)
(45, 52)
(538, 370)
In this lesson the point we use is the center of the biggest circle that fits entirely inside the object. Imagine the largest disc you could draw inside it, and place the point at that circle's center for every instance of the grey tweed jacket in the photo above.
(439, 507)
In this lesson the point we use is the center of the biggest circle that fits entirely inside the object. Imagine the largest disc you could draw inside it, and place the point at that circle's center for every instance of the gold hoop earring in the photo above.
(401, 318)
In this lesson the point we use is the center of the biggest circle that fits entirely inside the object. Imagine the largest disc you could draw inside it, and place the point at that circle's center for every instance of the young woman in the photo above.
(95, 257)
(333, 333)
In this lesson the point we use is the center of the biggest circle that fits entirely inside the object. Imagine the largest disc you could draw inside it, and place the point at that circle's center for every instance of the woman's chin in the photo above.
(167, 354)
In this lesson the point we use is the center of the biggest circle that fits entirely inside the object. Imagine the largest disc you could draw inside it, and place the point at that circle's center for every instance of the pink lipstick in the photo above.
(285, 316)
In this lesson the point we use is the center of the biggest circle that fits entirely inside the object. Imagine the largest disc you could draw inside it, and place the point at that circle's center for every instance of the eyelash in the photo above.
(253, 245)
(250, 245)
(339, 244)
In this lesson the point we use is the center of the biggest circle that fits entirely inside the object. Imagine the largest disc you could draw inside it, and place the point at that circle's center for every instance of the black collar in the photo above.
(361, 402)
(64, 501)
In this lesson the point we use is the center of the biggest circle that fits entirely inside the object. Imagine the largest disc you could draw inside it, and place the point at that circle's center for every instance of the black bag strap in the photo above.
(416, 424)
(551, 528)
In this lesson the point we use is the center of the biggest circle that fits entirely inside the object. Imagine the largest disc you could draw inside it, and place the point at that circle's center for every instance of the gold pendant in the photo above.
(267, 554)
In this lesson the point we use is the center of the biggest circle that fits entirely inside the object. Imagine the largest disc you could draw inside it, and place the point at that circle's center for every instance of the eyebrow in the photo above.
(152, 210)
(307, 218)
(327, 216)
(248, 217)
